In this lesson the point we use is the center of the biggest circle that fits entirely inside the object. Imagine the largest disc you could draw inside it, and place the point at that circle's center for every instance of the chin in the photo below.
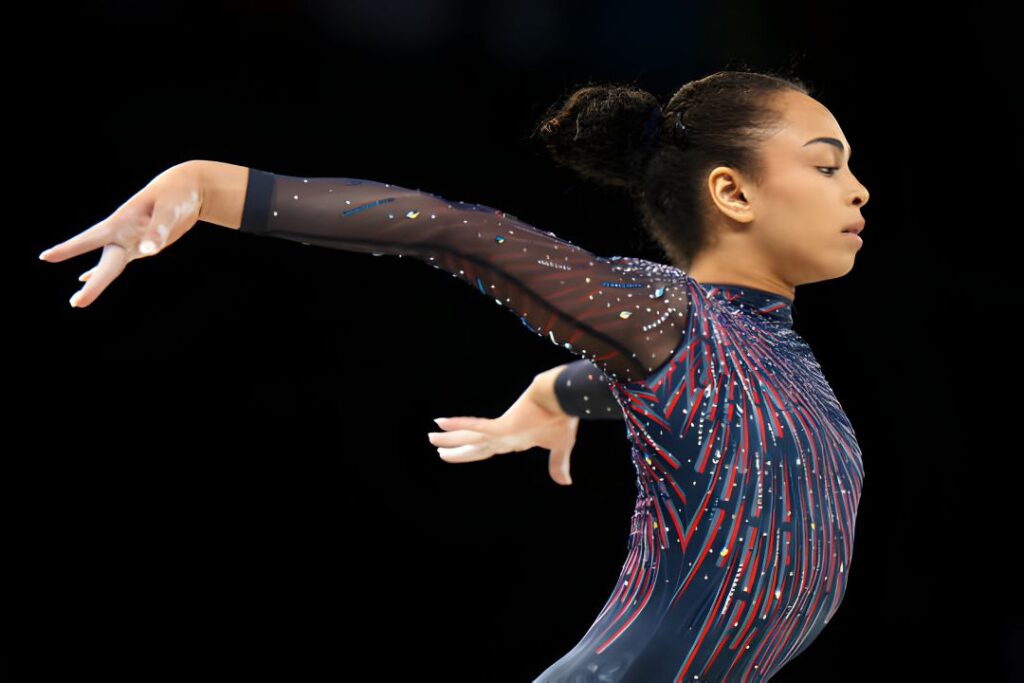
(848, 268)
(834, 270)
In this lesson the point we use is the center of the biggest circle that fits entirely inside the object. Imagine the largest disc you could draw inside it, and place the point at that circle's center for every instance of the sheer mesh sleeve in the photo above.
(626, 315)
(582, 390)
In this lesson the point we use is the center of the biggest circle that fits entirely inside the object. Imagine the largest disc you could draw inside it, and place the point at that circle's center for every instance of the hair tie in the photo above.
(679, 123)
(652, 131)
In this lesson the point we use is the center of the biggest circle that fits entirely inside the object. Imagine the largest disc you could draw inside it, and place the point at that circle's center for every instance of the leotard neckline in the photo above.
(760, 301)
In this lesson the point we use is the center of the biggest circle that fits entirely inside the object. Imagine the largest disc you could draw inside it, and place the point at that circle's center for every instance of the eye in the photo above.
(829, 168)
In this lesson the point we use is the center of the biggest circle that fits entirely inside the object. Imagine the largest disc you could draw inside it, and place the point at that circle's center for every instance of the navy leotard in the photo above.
(748, 471)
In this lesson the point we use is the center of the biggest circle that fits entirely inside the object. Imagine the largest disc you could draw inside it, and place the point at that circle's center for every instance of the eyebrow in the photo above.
(832, 141)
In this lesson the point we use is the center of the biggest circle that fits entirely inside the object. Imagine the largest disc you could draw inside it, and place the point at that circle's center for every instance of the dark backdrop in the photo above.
(222, 466)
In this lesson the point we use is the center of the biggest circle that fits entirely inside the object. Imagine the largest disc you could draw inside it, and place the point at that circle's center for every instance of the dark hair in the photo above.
(605, 132)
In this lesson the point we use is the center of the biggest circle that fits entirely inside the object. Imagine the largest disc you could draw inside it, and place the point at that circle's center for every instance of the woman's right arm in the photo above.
(626, 315)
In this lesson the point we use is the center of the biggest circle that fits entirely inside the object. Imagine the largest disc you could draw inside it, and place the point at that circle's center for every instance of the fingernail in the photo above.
(44, 253)
(147, 246)
(437, 420)
(74, 298)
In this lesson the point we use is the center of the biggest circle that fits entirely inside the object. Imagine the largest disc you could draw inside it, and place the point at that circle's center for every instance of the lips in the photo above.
(855, 227)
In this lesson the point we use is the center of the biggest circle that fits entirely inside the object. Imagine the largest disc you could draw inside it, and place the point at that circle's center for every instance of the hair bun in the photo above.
(605, 132)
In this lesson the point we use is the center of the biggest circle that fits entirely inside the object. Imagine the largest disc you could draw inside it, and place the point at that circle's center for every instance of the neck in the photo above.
(725, 276)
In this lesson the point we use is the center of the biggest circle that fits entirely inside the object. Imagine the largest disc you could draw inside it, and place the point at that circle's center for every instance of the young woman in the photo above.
(748, 471)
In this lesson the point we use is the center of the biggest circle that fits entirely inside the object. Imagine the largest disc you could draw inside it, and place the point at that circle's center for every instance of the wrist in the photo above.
(223, 188)
(542, 391)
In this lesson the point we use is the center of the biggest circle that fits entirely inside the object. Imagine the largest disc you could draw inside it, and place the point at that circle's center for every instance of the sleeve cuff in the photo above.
(582, 391)
(256, 208)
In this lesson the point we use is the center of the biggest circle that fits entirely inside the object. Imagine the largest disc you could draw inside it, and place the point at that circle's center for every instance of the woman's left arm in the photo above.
(579, 389)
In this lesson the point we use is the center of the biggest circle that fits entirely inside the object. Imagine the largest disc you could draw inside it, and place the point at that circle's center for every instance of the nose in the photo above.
(862, 196)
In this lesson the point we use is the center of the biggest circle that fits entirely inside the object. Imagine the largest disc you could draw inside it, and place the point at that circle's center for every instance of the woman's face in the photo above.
(807, 196)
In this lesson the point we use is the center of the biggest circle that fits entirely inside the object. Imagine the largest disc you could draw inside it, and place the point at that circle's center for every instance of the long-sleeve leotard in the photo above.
(627, 315)
(748, 470)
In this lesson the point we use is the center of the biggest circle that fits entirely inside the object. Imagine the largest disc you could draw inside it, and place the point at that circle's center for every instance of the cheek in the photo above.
(807, 194)
(806, 208)
(788, 210)
(790, 194)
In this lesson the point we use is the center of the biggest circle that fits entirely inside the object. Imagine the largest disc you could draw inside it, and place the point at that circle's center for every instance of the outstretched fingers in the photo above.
(111, 264)
(84, 242)
(467, 439)
(462, 445)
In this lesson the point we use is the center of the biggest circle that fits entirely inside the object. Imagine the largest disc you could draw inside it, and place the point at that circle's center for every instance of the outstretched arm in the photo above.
(626, 315)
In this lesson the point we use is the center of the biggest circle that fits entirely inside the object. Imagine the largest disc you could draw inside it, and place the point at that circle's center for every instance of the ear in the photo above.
(727, 191)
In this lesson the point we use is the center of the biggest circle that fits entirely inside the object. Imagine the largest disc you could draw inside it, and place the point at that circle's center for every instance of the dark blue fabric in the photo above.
(582, 390)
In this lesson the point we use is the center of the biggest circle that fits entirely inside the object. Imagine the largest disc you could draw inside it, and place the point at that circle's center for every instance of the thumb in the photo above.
(169, 216)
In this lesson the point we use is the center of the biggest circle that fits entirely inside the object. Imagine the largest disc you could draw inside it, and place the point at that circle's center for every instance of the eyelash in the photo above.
(831, 168)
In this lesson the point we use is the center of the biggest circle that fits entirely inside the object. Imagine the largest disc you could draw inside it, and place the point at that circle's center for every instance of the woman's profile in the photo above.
(749, 472)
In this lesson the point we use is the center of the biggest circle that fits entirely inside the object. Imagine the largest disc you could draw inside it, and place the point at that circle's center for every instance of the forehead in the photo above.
(804, 118)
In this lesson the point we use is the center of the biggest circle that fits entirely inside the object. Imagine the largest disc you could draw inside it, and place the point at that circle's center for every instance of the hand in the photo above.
(524, 425)
(155, 217)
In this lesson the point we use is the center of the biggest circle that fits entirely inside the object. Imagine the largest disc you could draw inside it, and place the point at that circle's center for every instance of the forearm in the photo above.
(579, 389)
(224, 186)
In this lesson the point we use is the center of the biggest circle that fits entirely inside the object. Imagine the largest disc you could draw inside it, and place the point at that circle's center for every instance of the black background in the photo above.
(221, 466)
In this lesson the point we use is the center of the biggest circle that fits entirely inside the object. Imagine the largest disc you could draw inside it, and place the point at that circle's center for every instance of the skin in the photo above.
(787, 230)
(535, 420)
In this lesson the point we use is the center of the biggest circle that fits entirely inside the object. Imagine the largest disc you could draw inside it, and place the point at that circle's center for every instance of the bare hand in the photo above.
(524, 425)
(154, 218)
